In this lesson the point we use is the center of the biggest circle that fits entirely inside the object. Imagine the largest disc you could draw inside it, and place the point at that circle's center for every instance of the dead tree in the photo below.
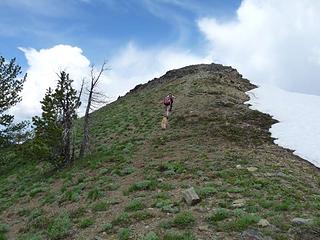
(95, 99)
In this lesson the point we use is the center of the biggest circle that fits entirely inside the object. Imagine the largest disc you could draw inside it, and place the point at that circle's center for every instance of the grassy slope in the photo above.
(131, 183)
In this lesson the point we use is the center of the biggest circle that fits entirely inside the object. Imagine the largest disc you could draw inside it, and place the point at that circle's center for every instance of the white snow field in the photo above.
(299, 119)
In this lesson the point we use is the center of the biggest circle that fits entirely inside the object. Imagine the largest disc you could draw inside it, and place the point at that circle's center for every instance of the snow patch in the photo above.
(298, 115)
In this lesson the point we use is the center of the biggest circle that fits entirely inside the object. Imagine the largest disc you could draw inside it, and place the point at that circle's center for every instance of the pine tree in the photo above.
(53, 130)
(48, 131)
(10, 88)
(67, 103)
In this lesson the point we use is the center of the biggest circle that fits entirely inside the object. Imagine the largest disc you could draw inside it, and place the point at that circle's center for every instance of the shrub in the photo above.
(59, 226)
(107, 227)
(219, 215)
(100, 206)
(178, 236)
(151, 236)
(94, 194)
(184, 219)
(135, 205)
(143, 185)
(123, 234)
(122, 219)
(87, 222)
(243, 222)
(205, 192)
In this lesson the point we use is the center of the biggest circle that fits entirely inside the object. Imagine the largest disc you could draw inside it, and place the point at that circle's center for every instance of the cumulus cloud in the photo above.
(270, 41)
(42, 74)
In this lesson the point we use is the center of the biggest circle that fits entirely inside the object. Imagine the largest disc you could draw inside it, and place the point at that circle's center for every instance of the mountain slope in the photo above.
(132, 182)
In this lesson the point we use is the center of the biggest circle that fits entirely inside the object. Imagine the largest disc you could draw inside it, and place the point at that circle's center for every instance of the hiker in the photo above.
(168, 101)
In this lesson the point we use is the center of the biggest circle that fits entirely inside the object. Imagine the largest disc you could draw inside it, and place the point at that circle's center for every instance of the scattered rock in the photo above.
(253, 235)
(169, 172)
(239, 167)
(239, 203)
(201, 209)
(204, 179)
(281, 174)
(203, 228)
(263, 223)
(301, 221)
(190, 196)
(252, 169)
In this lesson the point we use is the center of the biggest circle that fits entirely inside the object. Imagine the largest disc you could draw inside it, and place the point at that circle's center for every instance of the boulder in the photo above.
(252, 169)
(263, 223)
(301, 221)
(190, 196)
(238, 203)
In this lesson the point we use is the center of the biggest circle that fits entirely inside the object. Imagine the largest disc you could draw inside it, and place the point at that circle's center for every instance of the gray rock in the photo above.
(238, 203)
(253, 235)
(203, 228)
(190, 196)
(263, 223)
(252, 169)
(301, 221)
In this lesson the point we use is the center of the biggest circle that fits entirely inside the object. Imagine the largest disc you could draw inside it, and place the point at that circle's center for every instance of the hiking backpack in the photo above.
(167, 101)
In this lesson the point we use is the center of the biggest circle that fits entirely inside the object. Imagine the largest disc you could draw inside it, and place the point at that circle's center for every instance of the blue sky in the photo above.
(268, 41)
(100, 27)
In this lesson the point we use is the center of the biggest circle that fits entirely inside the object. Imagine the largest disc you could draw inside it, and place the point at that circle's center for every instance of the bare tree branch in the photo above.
(95, 99)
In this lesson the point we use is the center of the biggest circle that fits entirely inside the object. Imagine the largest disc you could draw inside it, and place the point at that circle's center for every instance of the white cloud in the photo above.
(270, 41)
(42, 74)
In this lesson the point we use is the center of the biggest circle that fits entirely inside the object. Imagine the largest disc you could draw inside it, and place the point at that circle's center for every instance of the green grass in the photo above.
(121, 220)
(31, 236)
(150, 236)
(184, 220)
(107, 227)
(143, 185)
(37, 190)
(205, 192)
(86, 222)
(141, 215)
(4, 228)
(178, 236)
(101, 206)
(219, 215)
(243, 222)
(135, 205)
(167, 205)
(123, 234)
(59, 227)
(94, 194)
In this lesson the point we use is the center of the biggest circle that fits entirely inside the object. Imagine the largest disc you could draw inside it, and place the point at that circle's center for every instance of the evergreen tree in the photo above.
(67, 104)
(10, 88)
(48, 131)
(53, 130)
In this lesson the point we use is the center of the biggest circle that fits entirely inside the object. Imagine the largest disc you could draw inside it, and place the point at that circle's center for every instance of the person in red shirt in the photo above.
(168, 102)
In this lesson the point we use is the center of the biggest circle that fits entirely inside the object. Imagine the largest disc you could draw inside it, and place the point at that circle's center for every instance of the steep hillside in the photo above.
(130, 187)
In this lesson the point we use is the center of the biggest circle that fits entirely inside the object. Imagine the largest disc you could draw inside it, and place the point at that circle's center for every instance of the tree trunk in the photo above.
(85, 140)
